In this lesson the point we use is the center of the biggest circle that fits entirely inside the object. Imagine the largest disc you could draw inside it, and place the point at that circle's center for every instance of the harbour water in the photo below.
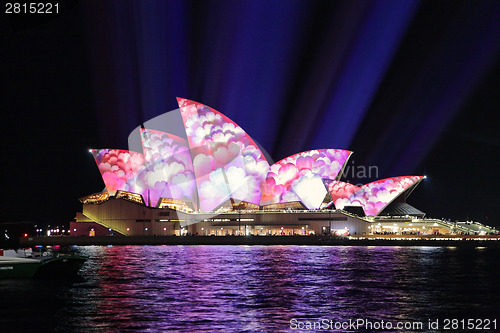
(259, 289)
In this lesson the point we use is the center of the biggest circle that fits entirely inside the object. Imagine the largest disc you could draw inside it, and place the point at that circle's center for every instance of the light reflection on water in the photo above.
(254, 288)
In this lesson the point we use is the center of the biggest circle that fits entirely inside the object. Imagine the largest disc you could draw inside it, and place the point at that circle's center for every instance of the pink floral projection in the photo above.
(220, 161)
(375, 196)
(341, 190)
(121, 170)
(286, 175)
(226, 161)
(169, 170)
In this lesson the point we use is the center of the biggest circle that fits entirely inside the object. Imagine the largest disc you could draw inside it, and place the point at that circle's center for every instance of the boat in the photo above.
(23, 264)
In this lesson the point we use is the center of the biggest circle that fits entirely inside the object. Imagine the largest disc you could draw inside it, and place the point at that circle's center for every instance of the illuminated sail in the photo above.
(283, 182)
(226, 161)
(375, 196)
(169, 171)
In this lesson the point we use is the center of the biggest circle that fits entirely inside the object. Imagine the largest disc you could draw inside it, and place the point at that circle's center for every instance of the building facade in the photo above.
(214, 180)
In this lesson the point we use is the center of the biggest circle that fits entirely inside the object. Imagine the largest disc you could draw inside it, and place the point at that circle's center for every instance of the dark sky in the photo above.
(411, 87)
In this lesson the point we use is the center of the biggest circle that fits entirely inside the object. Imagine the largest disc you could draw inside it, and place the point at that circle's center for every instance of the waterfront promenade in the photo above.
(365, 240)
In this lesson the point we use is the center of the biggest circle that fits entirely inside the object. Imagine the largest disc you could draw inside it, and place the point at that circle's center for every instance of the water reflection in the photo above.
(261, 288)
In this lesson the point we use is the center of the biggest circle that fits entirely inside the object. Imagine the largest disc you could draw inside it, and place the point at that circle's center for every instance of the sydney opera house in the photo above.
(216, 181)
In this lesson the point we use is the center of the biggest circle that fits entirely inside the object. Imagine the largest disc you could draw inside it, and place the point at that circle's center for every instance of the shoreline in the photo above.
(387, 240)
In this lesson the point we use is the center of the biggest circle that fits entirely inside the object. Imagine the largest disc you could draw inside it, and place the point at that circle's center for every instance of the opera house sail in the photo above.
(215, 172)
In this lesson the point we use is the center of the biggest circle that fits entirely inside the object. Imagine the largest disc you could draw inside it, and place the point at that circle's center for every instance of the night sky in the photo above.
(411, 87)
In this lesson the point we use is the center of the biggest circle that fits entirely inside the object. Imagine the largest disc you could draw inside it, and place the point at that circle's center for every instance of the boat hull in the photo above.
(13, 269)
(61, 267)
(56, 267)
